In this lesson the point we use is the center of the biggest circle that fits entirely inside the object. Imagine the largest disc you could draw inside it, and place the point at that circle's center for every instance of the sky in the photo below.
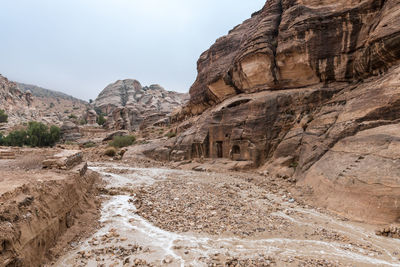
(80, 46)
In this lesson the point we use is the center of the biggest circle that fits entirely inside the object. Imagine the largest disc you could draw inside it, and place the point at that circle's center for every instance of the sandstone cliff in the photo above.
(310, 90)
(129, 106)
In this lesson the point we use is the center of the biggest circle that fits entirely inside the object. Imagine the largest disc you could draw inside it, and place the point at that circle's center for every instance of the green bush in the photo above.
(55, 135)
(36, 135)
(39, 135)
(111, 152)
(72, 116)
(16, 138)
(122, 141)
(89, 145)
(101, 120)
(3, 116)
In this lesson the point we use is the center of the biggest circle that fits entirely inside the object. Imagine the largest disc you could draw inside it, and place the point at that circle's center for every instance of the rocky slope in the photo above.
(127, 104)
(41, 92)
(17, 104)
(309, 90)
(26, 105)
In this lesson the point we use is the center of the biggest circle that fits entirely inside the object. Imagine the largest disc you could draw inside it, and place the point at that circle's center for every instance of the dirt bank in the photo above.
(41, 211)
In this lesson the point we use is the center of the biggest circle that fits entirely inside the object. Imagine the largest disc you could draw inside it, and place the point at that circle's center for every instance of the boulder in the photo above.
(64, 160)
(70, 131)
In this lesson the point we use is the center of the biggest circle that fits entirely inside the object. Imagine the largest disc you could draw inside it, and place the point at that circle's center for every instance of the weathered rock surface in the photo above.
(308, 90)
(70, 131)
(127, 104)
(293, 44)
(23, 105)
(64, 160)
(17, 104)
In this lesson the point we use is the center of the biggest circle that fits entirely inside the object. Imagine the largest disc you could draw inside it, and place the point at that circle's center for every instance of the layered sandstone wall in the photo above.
(291, 88)
(294, 44)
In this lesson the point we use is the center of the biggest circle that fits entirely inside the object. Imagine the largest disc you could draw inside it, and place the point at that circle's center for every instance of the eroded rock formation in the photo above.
(17, 104)
(127, 104)
(310, 90)
(23, 105)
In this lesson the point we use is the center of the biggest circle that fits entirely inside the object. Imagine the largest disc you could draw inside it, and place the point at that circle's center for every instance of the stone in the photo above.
(91, 117)
(66, 159)
(70, 131)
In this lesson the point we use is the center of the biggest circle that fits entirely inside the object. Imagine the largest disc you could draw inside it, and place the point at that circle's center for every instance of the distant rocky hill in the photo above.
(24, 103)
(17, 104)
(129, 105)
(45, 93)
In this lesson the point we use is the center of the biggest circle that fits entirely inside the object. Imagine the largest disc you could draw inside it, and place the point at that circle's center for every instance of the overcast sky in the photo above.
(80, 46)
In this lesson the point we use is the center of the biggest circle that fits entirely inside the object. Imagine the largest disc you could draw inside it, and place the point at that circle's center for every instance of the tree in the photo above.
(3, 116)
(36, 135)
(101, 120)
(16, 138)
(55, 135)
(39, 134)
(90, 101)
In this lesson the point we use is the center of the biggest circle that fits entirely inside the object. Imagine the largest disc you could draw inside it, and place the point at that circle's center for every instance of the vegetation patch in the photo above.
(122, 141)
(3, 116)
(37, 134)
(111, 152)
(170, 134)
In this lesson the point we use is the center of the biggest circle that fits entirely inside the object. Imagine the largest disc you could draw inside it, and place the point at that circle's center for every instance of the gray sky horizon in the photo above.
(80, 46)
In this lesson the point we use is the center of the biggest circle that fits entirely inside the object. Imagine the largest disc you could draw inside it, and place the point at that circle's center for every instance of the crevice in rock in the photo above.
(274, 66)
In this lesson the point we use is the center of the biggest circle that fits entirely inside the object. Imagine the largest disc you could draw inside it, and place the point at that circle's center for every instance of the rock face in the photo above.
(17, 104)
(127, 104)
(310, 90)
(294, 44)
(70, 131)
(40, 104)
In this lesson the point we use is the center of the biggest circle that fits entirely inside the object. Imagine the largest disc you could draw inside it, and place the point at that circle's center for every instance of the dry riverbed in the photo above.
(163, 217)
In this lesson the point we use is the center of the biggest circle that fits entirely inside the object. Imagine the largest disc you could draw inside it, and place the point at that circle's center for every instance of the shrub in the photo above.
(37, 135)
(170, 134)
(16, 138)
(122, 141)
(89, 145)
(3, 116)
(55, 134)
(294, 165)
(52, 105)
(101, 120)
(111, 152)
(83, 122)
(72, 116)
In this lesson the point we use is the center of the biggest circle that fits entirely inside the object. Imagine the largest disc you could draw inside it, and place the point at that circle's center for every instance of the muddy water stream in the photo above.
(125, 238)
